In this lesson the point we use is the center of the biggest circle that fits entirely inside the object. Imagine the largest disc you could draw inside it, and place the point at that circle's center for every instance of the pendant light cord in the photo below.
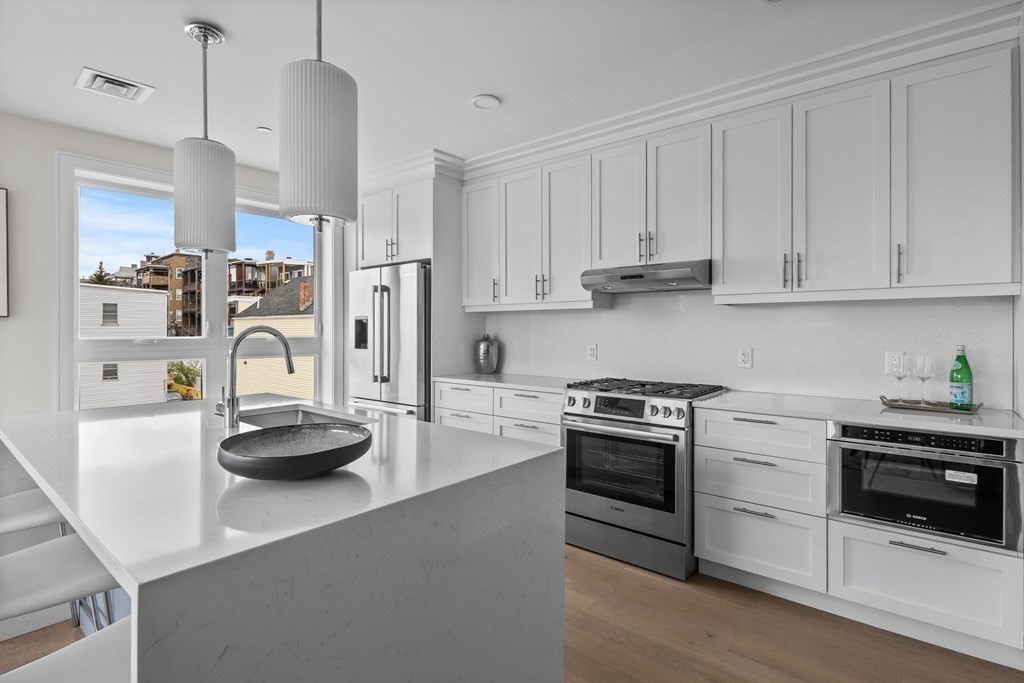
(319, 30)
(205, 131)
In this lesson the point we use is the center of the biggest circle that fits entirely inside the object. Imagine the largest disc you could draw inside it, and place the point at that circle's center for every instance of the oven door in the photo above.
(632, 476)
(974, 499)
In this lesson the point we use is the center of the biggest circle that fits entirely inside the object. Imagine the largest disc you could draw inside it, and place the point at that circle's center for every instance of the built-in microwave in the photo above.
(959, 486)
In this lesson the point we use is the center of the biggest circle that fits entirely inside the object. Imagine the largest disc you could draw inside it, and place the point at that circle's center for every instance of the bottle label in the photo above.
(960, 393)
(957, 365)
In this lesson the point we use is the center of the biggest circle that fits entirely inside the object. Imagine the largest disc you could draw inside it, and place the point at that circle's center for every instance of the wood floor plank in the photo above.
(31, 646)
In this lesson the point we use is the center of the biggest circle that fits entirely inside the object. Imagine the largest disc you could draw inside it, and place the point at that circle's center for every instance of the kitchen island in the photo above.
(438, 555)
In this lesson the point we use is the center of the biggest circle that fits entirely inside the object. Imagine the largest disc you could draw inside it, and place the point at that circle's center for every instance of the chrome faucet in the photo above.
(228, 406)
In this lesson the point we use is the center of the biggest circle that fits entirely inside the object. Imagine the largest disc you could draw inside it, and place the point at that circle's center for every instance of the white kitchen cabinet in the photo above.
(396, 225)
(841, 189)
(778, 544)
(566, 220)
(795, 485)
(480, 243)
(752, 225)
(964, 589)
(474, 422)
(519, 237)
(465, 397)
(784, 437)
(542, 406)
(619, 229)
(953, 170)
(539, 432)
(679, 195)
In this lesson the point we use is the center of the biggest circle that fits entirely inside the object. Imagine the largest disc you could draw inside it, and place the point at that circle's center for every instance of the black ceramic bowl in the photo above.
(293, 451)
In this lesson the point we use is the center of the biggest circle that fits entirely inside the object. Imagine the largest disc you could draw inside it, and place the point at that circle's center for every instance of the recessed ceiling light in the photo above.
(264, 129)
(486, 101)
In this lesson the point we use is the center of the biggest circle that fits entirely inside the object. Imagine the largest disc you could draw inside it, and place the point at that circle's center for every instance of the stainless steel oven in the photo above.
(959, 486)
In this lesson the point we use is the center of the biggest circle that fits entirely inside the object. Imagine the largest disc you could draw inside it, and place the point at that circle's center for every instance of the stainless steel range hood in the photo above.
(656, 277)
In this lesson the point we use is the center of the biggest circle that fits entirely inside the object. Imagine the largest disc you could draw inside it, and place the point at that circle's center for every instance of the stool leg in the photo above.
(95, 613)
(76, 618)
(110, 609)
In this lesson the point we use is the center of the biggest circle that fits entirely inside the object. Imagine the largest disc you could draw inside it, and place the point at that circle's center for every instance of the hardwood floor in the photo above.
(32, 646)
(624, 624)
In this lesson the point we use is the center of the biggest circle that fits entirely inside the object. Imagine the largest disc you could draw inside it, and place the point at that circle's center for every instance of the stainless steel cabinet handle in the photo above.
(524, 426)
(799, 268)
(640, 247)
(785, 267)
(911, 546)
(650, 244)
(387, 250)
(899, 262)
(394, 248)
(755, 421)
(462, 415)
(755, 512)
(460, 389)
(756, 462)
(494, 289)
(536, 287)
(526, 396)
(544, 291)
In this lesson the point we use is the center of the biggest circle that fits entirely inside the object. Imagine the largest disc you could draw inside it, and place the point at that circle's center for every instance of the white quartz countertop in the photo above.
(143, 487)
(995, 423)
(503, 380)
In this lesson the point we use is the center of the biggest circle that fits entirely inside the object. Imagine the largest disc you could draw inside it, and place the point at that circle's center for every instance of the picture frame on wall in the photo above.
(5, 277)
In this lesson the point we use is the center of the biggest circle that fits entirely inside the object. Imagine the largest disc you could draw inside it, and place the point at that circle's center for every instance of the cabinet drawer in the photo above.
(539, 406)
(963, 589)
(786, 437)
(474, 422)
(541, 432)
(795, 485)
(781, 545)
(464, 397)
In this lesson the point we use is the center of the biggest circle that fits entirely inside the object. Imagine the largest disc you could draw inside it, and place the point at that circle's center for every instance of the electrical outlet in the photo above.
(745, 357)
(890, 360)
(591, 351)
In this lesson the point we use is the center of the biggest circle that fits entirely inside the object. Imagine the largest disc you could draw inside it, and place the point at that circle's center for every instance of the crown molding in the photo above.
(985, 26)
(429, 164)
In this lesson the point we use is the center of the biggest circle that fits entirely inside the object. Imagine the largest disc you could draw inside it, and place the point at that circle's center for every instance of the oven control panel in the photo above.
(617, 405)
(647, 410)
(940, 442)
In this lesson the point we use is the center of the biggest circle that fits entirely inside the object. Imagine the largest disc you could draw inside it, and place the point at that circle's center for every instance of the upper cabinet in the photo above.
(396, 225)
(565, 229)
(519, 237)
(619, 226)
(480, 243)
(752, 211)
(952, 170)
(679, 195)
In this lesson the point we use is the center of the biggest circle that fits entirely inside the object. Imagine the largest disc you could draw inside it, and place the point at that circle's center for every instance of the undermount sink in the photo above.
(294, 451)
(292, 416)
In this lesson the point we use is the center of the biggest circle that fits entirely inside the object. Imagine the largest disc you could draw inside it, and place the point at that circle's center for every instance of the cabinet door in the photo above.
(526, 430)
(566, 229)
(952, 170)
(785, 437)
(794, 485)
(374, 228)
(752, 225)
(679, 196)
(619, 234)
(971, 591)
(841, 189)
(480, 243)
(781, 545)
(537, 406)
(413, 209)
(519, 229)
(471, 397)
(474, 422)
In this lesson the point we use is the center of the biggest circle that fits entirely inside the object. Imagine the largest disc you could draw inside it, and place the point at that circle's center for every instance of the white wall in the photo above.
(821, 349)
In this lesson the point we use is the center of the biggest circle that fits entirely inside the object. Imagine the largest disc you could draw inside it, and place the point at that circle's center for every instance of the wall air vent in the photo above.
(114, 86)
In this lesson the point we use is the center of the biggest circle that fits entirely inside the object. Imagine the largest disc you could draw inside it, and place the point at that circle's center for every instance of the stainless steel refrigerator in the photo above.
(389, 337)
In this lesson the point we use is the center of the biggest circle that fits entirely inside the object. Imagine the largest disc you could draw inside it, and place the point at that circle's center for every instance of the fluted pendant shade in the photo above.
(318, 142)
(204, 195)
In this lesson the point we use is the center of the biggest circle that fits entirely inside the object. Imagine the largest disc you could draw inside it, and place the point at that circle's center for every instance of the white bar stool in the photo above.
(103, 657)
(27, 510)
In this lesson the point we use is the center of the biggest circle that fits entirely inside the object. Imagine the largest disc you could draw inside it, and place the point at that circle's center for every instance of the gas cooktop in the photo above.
(610, 385)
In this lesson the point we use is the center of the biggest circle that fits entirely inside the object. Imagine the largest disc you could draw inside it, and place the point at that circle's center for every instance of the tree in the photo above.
(188, 373)
(99, 276)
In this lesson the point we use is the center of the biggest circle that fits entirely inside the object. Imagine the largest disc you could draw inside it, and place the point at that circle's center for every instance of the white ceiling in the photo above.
(557, 64)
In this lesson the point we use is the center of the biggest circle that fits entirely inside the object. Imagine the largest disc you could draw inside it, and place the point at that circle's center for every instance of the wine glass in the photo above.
(899, 369)
(924, 370)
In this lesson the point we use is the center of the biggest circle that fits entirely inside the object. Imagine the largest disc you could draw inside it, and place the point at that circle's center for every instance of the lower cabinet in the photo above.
(968, 590)
(778, 544)
(540, 432)
(517, 413)
(474, 422)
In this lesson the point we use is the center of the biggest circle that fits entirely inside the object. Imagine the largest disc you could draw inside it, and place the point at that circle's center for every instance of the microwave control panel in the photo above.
(941, 442)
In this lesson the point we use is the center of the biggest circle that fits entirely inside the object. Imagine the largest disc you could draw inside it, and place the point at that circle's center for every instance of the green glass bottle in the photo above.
(961, 382)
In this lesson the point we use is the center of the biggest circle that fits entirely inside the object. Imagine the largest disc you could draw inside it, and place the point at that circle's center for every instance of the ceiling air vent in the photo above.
(114, 86)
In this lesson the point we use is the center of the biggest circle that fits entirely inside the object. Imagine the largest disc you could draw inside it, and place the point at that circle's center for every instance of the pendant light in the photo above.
(318, 140)
(204, 177)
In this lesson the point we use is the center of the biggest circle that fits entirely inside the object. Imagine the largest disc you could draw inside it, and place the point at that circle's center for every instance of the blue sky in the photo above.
(118, 228)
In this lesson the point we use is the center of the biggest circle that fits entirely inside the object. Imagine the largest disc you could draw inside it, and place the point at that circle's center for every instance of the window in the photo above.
(117, 225)
(109, 371)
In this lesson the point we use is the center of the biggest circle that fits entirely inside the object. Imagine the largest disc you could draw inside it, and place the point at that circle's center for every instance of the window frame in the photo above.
(211, 349)
(103, 372)
(103, 320)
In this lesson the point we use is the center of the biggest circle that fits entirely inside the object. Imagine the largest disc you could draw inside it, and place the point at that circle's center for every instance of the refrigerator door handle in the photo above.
(385, 341)
(374, 339)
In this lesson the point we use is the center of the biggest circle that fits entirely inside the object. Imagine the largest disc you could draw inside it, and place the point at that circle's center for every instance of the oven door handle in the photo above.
(619, 431)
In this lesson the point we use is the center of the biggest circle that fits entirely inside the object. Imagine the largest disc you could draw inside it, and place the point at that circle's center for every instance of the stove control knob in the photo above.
(654, 411)
(666, 412)
(586, 403)
(570, 401)
(680, 413)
